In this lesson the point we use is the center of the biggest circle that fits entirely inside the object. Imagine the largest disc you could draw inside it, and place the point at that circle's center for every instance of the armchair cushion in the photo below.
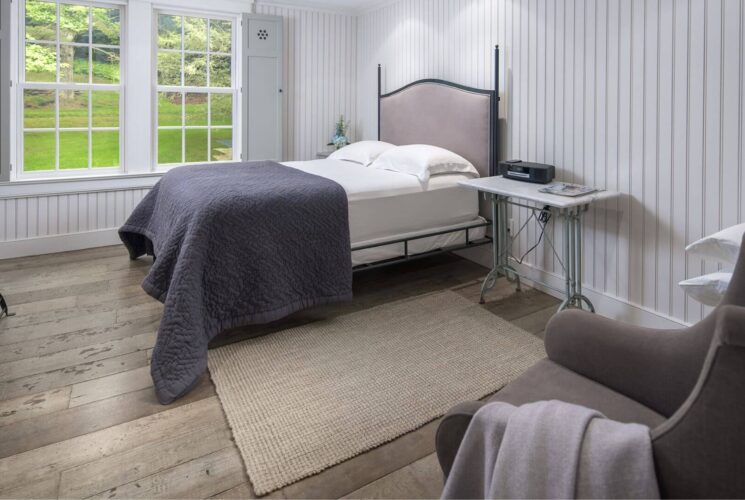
(658, 368)
(547, 381)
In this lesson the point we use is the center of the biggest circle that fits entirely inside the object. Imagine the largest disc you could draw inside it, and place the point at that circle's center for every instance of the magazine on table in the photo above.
(568, 189)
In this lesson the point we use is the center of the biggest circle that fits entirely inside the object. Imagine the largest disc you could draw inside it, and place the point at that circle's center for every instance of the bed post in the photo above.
(380, 93)
(494, 167)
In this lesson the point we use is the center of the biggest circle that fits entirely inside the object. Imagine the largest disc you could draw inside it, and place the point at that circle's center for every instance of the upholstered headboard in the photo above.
(461, 119)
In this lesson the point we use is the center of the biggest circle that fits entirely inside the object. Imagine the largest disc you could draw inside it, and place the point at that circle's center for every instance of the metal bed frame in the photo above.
(494, 132)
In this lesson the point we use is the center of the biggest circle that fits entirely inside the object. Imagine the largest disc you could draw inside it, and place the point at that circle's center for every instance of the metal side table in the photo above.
(505, 192)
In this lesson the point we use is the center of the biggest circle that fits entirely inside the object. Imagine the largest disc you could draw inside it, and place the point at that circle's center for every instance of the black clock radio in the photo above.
(527, 172)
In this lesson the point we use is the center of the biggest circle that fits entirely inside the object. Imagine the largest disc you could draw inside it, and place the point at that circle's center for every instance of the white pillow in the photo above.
(363, 152)
(424, 161)
(723, 246)
(708, 289)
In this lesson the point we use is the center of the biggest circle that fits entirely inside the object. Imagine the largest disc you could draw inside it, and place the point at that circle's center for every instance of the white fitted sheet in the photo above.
(386, 205)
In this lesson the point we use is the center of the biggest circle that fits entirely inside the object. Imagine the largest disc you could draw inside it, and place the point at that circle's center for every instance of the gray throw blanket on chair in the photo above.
(551, 449)
(235, 244)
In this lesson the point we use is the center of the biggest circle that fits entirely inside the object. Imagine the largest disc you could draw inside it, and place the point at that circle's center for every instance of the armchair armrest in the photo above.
(698, 451)
(657, 368)
(451, 430)
(730, 326)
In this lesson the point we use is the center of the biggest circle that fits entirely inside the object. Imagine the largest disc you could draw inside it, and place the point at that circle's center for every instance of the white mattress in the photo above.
(385, 205)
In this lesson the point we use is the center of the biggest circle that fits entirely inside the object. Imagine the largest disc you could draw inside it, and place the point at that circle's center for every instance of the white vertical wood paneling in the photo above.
(321, 72)
(39, 216)
(643, 97)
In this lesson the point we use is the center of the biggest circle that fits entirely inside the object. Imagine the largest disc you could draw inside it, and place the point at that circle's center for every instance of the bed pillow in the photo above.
(424, 161)
(708, 289)
(723, 246)
(363, 152)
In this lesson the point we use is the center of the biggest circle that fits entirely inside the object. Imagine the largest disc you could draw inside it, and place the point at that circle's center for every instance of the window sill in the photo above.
(28, 188)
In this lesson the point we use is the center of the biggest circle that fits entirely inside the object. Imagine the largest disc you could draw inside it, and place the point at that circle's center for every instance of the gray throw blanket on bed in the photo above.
(235, 244)
(551, 449)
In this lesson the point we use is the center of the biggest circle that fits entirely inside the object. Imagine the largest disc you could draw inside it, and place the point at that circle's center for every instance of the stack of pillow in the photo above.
(420, 160)
(723, 248)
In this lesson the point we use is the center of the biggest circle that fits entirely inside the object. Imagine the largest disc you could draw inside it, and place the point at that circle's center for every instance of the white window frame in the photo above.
(23, 85)
(138, 117)
(233, 90)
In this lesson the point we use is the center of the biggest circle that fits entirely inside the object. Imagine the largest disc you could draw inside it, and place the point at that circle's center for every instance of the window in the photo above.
(70, 88)
(196, 90)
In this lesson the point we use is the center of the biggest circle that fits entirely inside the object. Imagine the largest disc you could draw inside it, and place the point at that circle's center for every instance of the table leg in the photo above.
(580, 297)
(573, 261)
(496, 231)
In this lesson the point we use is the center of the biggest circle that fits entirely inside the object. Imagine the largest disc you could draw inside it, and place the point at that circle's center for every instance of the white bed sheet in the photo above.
(386, 205)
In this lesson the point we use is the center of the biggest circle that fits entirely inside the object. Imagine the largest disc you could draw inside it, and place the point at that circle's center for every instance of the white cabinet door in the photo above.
(262, 87)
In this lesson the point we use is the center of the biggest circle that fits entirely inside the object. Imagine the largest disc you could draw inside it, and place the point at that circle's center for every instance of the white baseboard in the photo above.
(605, 304)
(58, 243)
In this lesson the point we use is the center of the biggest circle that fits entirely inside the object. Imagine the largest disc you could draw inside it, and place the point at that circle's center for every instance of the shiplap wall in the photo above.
(640, 96)
(320, 58)
(39, 216)
(320, 84)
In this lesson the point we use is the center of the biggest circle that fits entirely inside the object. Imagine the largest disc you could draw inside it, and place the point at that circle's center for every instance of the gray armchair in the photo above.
(687, 385)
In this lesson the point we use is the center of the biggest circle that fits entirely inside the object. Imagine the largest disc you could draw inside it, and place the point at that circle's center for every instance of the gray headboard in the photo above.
(461, 119)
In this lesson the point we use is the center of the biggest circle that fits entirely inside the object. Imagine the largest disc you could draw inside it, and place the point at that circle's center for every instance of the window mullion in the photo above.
(56, 92)
(183, 94)
(209, 96)
(90, 82)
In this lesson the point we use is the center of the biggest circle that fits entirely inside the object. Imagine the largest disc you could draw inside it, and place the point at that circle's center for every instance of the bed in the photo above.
(387, 206)
(249, 243)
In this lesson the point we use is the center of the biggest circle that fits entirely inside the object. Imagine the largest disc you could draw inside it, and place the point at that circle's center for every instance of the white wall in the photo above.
(320, 73)
(643, 97)
(320, 70)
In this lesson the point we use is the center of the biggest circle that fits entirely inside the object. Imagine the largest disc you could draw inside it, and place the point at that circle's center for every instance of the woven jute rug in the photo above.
(304, 399)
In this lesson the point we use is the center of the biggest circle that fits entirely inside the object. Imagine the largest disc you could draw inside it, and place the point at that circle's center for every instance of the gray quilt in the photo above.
(235, 244)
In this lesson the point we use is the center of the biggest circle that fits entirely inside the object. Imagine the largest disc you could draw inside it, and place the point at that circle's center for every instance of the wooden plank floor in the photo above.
(78, 417)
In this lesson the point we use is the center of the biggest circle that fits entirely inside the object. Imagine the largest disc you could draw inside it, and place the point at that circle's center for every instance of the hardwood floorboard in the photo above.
(200, 478)
(30, 308)
(95, 478)
(58, 360)
(34, 405)
(34, 465)
(78, 416)
(127, 305)
(64, 258)
(242, 491)
(115, 296)
(521, 304)
(421, 479)
(45, 487)
(72, 422)
(72, 374)
(31, 332)
(535, 322)
(81, 338)
(110, 386)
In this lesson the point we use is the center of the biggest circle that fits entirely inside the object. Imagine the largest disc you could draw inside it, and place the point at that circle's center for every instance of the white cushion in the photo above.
(363, 152)
(708, 289)
(723, 246)
(423, 161)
